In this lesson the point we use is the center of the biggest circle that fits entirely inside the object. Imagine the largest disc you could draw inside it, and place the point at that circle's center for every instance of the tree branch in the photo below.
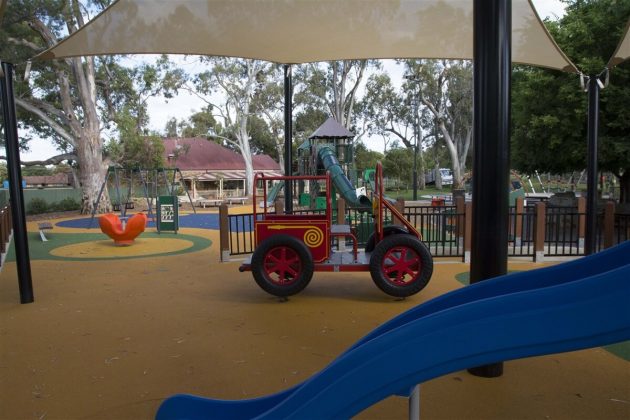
(52, 123)
(24, 43)
(55, 160)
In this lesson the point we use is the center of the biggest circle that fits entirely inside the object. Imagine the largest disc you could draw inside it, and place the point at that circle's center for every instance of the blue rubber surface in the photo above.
(201, 221)
(571, 306)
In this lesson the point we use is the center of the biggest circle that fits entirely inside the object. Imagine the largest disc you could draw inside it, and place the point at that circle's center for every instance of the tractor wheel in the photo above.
(282, 265)
(387, 231)
(401, 265)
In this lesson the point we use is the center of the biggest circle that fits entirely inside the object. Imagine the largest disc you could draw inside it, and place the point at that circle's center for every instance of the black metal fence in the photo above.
(621, 229)
(522, 231)
(443, 229)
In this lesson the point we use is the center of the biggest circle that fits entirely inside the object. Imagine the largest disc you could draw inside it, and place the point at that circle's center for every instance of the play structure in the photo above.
(123, 234)
(154, 183)
(571, 306)
(328, 150)
(290, 247)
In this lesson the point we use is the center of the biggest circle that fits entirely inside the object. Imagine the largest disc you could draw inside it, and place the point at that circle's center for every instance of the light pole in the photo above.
(416, 130)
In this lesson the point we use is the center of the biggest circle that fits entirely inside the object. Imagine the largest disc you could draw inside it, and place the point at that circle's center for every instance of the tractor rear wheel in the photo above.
(282, 265)
(401, 265)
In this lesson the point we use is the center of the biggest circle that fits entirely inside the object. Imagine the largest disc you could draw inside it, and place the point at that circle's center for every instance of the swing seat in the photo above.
(112, 226)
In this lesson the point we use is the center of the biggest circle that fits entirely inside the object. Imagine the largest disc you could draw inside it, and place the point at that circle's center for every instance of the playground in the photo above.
(118, 329)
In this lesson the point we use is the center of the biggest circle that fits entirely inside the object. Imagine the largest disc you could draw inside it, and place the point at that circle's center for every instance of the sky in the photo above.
(184, 104)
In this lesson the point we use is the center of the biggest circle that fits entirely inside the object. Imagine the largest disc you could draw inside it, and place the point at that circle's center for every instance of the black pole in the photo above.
(491, 129)
(591, 167)
(288, 138)
(16, 194)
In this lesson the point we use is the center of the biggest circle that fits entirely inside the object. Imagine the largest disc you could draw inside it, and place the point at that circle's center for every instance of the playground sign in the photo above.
(167, 213)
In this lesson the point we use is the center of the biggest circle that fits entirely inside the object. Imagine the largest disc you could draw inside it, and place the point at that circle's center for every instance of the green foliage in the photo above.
(37, 206)
(398, 163)
(67, 204)
(307, 121)
(365, 158)
(262, 139)
(199, 124)
(550, 110)
(36, 170)
(133, 149)
(4, 173)
(40, 206)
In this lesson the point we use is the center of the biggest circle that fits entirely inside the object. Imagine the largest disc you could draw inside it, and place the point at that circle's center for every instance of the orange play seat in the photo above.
(112, 227)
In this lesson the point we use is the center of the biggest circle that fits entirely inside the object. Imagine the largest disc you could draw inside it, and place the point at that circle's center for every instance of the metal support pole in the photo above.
(20, 238)
(492, 68)
(288, 138)
(591, 167)
(414, 403)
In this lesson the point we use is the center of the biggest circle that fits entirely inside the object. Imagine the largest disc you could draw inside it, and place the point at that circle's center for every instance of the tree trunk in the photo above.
(92, 174)
(438, 176)
(452, 149)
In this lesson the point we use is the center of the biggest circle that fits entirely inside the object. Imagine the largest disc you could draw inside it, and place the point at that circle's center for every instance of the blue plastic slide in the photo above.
(570, 306)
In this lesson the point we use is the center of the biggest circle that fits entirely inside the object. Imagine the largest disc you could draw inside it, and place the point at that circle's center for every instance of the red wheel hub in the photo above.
(401, 265)
(282, 265)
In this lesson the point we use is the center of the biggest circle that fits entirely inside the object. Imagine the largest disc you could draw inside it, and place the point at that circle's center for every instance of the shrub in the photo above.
(37, 206)
(67, 204)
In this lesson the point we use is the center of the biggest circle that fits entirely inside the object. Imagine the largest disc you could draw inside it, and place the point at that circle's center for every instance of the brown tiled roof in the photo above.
(199, 154)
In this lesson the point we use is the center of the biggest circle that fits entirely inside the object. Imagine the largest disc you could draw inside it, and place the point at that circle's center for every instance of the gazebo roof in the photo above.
(331, 129)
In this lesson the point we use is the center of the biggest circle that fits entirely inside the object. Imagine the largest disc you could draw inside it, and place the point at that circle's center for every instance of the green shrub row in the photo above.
(39, 206)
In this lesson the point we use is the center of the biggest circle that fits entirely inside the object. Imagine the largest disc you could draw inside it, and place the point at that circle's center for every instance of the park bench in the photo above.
(42, 227)
(233, 200)
(203, 202)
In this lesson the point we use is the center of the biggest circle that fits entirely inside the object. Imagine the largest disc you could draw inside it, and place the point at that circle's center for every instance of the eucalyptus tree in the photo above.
(445, 89)
(230, 87)
(71, 101)
(332, 87)
(392, 115)
(549, 128)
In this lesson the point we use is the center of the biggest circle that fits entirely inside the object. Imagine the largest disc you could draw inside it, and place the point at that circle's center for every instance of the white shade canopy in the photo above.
(300, 31)
(623, 49)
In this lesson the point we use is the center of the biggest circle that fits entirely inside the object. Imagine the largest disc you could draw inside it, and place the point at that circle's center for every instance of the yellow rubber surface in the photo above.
(111, 339)
(107, 248)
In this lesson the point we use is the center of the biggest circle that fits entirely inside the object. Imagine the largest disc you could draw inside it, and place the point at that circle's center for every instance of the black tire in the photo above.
(282, 265)
(401, 265)
(387, 230)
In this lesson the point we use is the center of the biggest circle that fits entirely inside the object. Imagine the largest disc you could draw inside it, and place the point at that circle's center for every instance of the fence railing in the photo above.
(442, 228)
(535, 231)
(6, 226)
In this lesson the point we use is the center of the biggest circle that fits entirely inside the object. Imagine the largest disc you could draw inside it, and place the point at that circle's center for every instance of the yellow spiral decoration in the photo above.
(313, 237)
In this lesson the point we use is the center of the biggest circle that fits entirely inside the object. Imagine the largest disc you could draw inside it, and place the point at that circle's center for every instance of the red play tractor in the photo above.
(290, 247)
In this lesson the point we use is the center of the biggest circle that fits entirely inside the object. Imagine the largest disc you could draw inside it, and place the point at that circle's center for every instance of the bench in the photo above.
(233, 200)
(42, 227)
(203, 202)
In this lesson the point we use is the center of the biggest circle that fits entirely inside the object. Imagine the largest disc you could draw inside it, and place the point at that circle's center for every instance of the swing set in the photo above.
(153, 182)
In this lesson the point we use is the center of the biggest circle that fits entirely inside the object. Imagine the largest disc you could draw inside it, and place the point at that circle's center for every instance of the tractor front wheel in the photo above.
(401, 265)
(282, 265)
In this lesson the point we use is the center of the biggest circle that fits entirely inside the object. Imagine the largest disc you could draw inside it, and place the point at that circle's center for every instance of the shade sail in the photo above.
(623, 49)
(300, 31)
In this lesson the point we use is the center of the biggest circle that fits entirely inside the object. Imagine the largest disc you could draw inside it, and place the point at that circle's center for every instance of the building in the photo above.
(211, 170)
(48, 181)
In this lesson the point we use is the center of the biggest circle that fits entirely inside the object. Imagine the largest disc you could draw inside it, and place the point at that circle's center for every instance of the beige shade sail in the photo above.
(623, 49)
(300, 31)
